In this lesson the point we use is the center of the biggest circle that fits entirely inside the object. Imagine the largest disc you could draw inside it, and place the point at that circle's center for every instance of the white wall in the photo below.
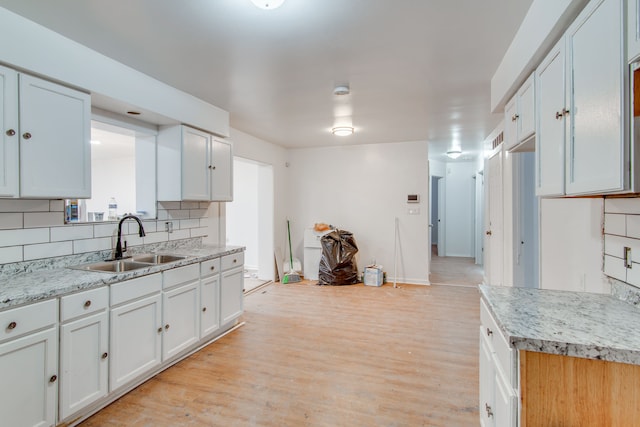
(242, 213)
(460, 209)
(362, 189)
(571, 245)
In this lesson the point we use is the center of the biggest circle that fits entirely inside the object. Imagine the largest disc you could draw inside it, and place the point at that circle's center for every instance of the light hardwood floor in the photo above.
(313, 355)
(454, 270)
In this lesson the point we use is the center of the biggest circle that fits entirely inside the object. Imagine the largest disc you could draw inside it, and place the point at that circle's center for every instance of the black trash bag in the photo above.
(338, 264)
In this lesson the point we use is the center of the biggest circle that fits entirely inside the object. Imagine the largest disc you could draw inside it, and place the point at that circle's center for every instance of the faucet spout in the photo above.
(141, 233)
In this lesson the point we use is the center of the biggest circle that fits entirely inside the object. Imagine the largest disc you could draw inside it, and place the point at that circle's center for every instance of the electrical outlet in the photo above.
(168, 227)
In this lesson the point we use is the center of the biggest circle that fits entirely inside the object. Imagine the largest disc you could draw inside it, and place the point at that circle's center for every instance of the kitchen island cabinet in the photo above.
(575, 357)
(29, 365)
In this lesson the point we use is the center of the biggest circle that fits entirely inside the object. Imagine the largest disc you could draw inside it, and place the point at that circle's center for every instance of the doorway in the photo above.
(249, 219)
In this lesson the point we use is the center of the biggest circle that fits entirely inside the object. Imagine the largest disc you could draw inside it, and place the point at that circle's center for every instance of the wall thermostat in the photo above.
(413, 198)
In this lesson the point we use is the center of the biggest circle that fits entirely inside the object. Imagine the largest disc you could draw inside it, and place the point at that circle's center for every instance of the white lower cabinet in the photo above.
(29, 365)
(136, 329)
(231, 287)
(498, 376)
(180, 309)
(84, 350)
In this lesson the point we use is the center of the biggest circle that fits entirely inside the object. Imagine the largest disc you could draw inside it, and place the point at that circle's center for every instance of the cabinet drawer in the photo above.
(135, 288)
(20, 321)
(179, 275)
(209, 268)
(233, 260)
(504, 354)
(82, 303)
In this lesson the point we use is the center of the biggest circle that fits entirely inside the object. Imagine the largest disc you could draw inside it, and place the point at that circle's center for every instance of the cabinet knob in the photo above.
(488, 233)
(12, 325)
(160, 330)
(235, 260)
(166, 327)
(26, 135)
(565, 111)
(87, 303)
(10, 132)
(489, 332)
(489, 410)
(559, 115)
(210, 167)
(105, 355)
(515, 117)
(213, 167)
(212, 268)
(204, 309)
(53, 378)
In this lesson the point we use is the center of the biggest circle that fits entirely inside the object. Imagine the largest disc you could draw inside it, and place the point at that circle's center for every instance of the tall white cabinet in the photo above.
(9, 139)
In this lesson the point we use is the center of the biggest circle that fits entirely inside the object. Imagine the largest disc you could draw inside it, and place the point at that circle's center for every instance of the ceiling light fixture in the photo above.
(341, 90)
(454, 154)
(268, 4)
(342, 131)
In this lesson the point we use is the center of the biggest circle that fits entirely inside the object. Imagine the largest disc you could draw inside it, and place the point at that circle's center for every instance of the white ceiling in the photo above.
(418, 69)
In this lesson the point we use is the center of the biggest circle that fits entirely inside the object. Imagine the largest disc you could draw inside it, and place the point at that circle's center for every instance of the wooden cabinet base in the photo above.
(570, 391)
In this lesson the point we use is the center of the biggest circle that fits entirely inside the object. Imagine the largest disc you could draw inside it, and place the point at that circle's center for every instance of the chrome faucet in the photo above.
(141, 233)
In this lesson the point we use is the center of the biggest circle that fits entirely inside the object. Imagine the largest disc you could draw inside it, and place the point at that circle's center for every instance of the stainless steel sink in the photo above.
(113, 266)
(157, 258)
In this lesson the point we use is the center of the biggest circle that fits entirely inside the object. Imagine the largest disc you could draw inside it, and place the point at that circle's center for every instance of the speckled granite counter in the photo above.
(566, 323)
(42, 284)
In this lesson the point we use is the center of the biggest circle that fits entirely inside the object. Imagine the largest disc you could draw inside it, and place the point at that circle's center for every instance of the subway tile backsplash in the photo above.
(34, 229)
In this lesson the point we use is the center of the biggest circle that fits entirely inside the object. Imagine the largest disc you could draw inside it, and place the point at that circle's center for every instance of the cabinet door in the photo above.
(135, 340)
(55, 132)
(84, 346)
(210, 302)
(595, 150)
(28, 369)
(181, 314)
(221, 171)
(526, 109)
(550, 131)
(511, 124)
(487, 382)
(195, 164)
(505, 402)
(231, 294)
(9, 138)
(633, 29)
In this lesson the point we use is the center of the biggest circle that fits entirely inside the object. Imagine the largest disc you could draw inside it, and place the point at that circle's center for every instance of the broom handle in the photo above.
(290, 253)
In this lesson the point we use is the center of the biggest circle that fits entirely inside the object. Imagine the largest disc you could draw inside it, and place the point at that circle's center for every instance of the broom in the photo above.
(290, 276)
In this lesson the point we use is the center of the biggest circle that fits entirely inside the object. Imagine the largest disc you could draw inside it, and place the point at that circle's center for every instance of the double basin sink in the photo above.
(134, 263)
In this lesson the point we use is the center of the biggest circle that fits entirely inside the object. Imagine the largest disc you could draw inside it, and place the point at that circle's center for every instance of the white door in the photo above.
(479, 219)
(210, 302)
(181, 315)
(231, 294)
(84, 365)
(55, 133)
(494, 245)
(136, 340)
(9, 138)
(28, 369)
(195, 164)
(441, 217)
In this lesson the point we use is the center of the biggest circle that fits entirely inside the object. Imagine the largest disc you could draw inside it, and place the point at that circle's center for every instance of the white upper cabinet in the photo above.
(595, 150)
(550, 130)
(9, 139)
(55, 133)
(519, 117)
(633, 29)
(193, 166)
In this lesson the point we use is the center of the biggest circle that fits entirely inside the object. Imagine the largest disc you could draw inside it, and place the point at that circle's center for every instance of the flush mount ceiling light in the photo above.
(342, 131)
(454, 154)
(341, 90)
(268, 4)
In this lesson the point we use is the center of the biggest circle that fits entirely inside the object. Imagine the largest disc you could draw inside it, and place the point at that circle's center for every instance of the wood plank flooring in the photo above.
(313, 355)
(454, 270)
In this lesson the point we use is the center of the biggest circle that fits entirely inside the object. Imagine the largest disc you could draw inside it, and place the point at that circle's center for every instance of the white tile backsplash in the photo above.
(35, 229)
(615, 224)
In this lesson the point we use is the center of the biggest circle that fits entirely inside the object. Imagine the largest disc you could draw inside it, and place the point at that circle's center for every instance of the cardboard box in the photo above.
(373, 276)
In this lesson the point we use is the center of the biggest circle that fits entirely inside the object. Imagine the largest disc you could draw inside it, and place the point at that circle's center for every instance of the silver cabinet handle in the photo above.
(26, 135)
(12, 325)
(10, 132)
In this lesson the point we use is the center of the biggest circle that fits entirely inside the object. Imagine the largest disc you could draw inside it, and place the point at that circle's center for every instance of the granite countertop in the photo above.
(24, 288)
(578, 324)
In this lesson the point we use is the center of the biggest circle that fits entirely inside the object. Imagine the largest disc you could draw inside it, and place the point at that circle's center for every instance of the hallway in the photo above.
(454, 270)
